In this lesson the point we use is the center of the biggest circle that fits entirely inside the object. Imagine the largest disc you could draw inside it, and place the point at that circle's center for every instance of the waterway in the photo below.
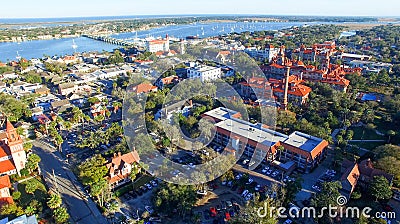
(38, 48)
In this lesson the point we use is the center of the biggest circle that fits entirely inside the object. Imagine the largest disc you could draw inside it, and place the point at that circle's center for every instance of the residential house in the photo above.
(162, 82)
(67, 88)
(119, 167)
(144, 88)
(223, 55)
(60, 106)
(362, 174)
(42, 91)
(182, 107)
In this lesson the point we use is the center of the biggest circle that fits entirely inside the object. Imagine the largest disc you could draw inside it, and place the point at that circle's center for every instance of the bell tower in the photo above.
(15, 144)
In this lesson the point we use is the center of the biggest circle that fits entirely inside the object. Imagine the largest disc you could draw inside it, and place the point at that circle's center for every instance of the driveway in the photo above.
(310, 179)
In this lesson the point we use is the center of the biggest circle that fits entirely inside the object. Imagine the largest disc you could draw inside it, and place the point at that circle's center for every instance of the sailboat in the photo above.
(18, 56)
(74, 46)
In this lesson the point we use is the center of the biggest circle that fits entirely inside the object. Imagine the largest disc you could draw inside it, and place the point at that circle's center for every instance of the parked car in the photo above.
(155, 219)
(149, 209)
(229, 203)
(245, 161)
(244, 193)
(223, 205)
(264, 170)
(250, 181)
(213, 212)
(154, 183)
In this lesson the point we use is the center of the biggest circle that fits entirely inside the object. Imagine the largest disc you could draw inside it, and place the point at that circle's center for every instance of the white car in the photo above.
(149, 209)
(244, 193)
(202, 192)
(223, 183)
(257, 188)
(249, 196)
(154, 183)
(245, 161)
(265, 170)
(250, 181)
(238, 176)
(252, 163)
(149, 186)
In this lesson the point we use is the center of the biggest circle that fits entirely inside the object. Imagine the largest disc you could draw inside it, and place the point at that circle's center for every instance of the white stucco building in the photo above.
(204, 73)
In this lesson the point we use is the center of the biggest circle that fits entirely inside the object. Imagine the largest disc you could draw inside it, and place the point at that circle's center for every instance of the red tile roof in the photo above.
(5, 182)
(6, 200)
(224, 52)
(157, 42)
(351, 175)
(144, 88)
(3, 152)
(9, 126)
(6, 166)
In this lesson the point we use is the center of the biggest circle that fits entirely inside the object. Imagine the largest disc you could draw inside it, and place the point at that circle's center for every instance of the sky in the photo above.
(86, 8)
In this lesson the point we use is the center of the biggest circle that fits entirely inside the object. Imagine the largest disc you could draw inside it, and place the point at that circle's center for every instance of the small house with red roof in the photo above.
(119, 167)
(361, 174)
(162, 82)
(144, 88)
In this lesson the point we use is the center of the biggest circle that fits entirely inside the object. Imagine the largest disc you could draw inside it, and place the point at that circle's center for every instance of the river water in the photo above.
(38, 48)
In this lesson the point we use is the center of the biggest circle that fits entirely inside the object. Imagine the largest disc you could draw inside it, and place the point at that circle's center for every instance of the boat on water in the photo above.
(74, 46)
(192, 37)
(18, 56)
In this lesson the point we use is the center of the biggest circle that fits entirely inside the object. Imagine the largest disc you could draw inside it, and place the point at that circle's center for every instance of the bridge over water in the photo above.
(110, 40)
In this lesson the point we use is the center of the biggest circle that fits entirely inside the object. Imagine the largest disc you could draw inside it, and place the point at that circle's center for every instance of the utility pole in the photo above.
(55, 182)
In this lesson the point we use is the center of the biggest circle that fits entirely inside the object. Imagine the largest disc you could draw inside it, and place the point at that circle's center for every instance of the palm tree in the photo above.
(54, 201)
(116, 105)
(390, 134)
(280, 150)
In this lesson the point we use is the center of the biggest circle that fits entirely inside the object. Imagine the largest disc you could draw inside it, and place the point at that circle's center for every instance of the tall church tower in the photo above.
(15, 144)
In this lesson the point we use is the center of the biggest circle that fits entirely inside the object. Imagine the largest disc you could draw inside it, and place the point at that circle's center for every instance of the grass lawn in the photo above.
(368, 145)
(368, 134)
(39, 195)
(139, 182)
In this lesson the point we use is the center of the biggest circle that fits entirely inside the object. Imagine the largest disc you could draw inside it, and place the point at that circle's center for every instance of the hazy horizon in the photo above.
(103, 8)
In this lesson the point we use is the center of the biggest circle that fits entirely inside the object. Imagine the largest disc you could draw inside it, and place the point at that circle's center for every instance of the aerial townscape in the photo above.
(200, 118)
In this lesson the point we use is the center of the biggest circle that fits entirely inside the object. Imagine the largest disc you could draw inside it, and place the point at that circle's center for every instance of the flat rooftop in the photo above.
(303, 141)
(251, 131)
(203, 68)
(221, 113)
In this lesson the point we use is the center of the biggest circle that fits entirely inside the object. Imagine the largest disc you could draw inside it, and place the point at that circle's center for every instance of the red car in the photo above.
(227, 216)
(213, 212)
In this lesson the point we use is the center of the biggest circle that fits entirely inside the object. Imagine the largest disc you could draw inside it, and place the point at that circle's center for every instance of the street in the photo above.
(81, 210)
